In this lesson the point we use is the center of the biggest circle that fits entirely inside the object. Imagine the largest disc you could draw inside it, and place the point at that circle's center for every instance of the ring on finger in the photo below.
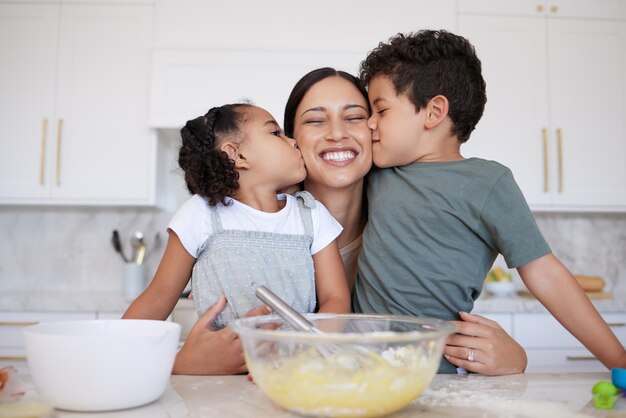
(470, 356)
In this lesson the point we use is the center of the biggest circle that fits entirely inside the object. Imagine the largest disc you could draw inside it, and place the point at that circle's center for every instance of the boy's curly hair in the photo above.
(209, 172)
(428, 63)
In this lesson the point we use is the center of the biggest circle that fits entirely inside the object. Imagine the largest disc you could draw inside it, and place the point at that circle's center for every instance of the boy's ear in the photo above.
(233, 152)
(436, 111)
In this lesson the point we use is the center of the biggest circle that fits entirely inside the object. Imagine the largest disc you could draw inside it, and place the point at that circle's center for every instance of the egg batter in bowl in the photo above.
(378, 363)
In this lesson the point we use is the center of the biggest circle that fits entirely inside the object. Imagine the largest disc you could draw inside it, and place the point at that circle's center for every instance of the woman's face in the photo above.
(330, 127)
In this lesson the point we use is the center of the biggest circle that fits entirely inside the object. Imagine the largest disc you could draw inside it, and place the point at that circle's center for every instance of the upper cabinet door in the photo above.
(27, 85)
(588, 110)
(513, 55)
(104, 144)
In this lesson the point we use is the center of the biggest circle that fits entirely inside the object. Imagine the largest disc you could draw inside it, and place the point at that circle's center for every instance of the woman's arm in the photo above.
(159, 299)
(330, 280)
(495, 352)
(556, 288)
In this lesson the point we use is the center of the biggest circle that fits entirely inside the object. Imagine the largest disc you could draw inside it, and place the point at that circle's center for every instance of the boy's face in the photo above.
(396, 127)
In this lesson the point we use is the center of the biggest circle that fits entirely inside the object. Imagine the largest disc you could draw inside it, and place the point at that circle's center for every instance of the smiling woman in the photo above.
(327, 114)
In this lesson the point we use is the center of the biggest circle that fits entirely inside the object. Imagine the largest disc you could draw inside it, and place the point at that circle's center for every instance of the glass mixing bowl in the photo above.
(359, 366)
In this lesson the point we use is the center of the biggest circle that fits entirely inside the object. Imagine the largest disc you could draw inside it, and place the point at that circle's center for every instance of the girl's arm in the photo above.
(330, 280)
(560, 293)
(159, 299)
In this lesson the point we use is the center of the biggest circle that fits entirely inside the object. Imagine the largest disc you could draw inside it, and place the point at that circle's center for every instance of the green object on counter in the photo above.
(604, 394)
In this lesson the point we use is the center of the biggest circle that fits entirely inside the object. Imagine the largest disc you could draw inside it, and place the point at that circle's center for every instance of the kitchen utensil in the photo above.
(287, 366)
(101, 365)
(293, 317)
(298, 322)
(141, 253)
(135, 242)
(117, 244)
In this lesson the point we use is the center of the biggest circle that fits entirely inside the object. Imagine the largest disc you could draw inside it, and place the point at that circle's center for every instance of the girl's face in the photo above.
(331, 129)
(275, 158)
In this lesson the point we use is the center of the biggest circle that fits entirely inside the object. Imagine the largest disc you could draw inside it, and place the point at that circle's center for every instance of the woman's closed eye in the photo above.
(316, 121)
(278, 133)
(381, 111)
(356, 118)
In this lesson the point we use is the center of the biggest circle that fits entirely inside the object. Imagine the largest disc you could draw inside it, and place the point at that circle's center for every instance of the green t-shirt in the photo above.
(434, 231)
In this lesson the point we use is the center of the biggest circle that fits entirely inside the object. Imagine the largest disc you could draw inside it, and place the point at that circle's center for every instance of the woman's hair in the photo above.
(305, 84)
(209, 172)
(427, 63)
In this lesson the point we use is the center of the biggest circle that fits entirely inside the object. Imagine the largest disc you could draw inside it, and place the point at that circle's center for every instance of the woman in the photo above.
(327, 113)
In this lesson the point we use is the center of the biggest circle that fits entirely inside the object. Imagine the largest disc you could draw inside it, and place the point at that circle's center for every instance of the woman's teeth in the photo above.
(339, 156)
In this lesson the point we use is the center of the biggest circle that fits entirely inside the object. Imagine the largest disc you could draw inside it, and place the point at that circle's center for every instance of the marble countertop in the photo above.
(97, 301)
(528, 395)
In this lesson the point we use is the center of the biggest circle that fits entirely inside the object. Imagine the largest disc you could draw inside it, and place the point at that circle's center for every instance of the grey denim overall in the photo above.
(230, 261)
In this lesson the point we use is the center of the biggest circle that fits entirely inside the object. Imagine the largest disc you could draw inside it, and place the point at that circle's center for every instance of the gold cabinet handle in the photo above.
(17, 323)
(554, 8)
(546, 178)
(559, 145)
(616, 324)
(540, 8)
(581, 358)
(42, 160)
(59, 135)
(12, 358)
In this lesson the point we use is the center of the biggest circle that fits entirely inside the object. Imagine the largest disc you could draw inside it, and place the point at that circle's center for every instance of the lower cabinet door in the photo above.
(575, 360)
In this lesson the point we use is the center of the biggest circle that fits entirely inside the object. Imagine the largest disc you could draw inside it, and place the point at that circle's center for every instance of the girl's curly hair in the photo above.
(209, 172)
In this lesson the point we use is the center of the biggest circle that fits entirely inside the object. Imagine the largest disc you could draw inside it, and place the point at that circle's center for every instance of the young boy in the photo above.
(437, 221)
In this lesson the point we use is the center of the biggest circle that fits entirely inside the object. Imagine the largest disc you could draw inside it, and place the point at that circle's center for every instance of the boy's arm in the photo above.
(330, 280)
(159, 299)
(555, 287)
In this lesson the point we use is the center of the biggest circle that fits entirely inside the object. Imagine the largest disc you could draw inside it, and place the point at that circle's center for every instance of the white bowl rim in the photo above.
(441, 328)
(43, 327)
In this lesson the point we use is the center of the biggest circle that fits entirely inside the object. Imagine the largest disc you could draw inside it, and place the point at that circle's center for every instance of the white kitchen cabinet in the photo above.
(551, 348)
(556, 82)
(197, 65)
(74, 108)
(12, 324)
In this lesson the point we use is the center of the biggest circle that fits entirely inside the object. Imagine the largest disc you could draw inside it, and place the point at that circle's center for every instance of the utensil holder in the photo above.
(134, 280)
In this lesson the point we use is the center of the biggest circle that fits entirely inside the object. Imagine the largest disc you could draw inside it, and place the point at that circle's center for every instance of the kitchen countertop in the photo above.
(90, 301)
(530, 395)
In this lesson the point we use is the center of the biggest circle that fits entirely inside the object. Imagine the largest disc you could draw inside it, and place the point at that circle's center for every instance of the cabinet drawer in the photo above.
(544, 331)
(576, 360)
(12, 323)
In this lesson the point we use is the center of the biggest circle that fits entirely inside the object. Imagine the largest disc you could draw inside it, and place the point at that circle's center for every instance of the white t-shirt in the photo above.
(192, 221)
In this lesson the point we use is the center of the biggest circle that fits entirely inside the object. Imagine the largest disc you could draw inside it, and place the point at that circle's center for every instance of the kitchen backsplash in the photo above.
(70, 248)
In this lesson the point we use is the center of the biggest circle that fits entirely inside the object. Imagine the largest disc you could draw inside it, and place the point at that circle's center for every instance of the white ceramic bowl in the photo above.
(500, 289)
(101, 365)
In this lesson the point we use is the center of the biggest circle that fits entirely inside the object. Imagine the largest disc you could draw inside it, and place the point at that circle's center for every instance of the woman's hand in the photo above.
(494, 351)
(208, 352)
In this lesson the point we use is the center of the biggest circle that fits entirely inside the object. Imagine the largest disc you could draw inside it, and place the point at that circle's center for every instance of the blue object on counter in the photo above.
(604, 394)
(618, 376)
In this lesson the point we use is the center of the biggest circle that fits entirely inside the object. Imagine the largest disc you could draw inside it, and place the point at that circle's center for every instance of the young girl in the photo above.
(237, 230)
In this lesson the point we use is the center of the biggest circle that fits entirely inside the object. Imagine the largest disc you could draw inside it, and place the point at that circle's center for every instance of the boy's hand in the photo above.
(494, 351)
(208, 352)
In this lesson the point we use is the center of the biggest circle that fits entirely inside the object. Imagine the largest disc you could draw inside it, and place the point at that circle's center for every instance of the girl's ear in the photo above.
(233, 152)
(436, 111)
